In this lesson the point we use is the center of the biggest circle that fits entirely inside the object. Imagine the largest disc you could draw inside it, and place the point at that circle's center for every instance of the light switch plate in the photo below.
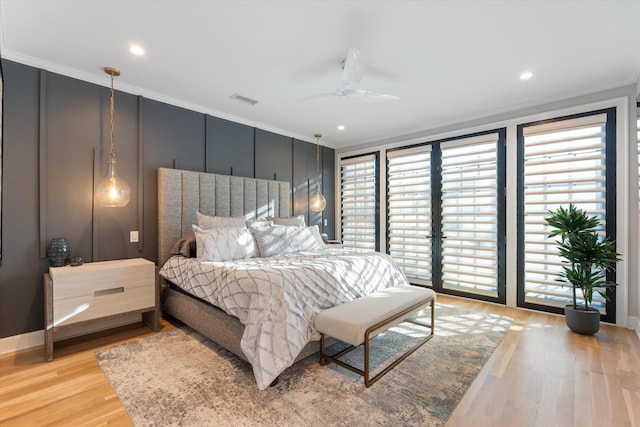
(133, 236)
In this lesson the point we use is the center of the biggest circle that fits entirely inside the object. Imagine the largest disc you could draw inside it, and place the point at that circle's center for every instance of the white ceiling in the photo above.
(448, 61)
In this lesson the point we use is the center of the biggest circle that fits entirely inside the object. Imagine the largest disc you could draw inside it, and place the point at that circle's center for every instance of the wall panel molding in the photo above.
(42, 164)
(140, 200)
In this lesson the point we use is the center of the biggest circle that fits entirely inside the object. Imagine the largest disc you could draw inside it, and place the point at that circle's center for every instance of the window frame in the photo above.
(376, 161)
(610, 205)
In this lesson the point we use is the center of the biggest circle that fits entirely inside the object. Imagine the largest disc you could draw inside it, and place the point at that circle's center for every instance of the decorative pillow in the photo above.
(292, 220)
(207, 222)
(306, 238)
(224, 244)
(258, 223)
(186, 246)
(272, 240)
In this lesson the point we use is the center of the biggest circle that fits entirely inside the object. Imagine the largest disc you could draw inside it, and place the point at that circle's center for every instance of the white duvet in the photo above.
(276, 298)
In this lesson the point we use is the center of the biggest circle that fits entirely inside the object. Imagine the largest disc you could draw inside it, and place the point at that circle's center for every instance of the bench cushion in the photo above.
(349, 321)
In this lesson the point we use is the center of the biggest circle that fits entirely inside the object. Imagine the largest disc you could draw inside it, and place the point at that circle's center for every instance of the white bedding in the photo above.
(276, 298)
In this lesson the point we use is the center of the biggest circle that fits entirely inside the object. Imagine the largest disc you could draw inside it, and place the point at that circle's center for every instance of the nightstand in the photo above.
(97, 291)
(333, 244)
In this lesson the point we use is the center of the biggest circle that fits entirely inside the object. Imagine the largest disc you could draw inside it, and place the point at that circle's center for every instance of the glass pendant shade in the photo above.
(113, 191)
(317, 202)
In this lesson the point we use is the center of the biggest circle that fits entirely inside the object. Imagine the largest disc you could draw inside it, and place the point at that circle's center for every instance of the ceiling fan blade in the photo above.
(369, 95)
(365, 95)
(353, 70)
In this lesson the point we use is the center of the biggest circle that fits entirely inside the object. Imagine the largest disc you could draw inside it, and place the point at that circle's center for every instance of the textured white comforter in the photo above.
(277, 298)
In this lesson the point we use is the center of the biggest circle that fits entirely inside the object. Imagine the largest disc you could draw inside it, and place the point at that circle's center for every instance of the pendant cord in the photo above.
(112, 155)
(317, 163)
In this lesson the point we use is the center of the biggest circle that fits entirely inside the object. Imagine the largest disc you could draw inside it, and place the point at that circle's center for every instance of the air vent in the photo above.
(243, 99)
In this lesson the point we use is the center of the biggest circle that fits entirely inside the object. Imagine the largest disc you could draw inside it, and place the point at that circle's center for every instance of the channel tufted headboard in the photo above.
(182, 193)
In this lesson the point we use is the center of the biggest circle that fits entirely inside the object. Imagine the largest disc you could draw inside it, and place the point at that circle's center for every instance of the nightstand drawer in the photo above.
(86, 280)
(104, 302)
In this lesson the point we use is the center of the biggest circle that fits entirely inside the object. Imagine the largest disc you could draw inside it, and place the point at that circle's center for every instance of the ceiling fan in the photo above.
(352, 75)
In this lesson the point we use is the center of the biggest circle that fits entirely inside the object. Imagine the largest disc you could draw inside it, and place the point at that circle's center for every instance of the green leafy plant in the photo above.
(587, 256)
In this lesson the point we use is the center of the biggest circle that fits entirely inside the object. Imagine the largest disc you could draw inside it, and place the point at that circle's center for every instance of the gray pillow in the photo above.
(291, 220)
(207, 222)
(186, 246)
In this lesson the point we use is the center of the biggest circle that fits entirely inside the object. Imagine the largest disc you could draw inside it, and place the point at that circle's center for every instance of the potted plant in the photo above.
(587, 258)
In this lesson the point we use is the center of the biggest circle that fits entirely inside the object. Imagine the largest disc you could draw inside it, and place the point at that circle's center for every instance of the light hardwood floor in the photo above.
(541, 374)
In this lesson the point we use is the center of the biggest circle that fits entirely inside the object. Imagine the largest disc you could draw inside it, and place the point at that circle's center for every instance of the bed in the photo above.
(268, 303)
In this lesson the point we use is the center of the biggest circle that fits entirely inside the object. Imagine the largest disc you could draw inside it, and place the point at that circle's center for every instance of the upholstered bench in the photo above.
(356, 322)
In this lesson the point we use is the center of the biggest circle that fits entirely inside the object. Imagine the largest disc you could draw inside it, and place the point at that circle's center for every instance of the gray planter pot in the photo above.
(582, 322)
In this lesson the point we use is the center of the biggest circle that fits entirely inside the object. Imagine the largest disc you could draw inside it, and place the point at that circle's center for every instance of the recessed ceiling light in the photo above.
(526, 75)
(136, 50)
(340, 127)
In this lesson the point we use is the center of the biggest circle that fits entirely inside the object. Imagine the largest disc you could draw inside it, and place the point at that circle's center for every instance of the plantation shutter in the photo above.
(409, 211)
(469, 185)
(358, 202)
(564, 162)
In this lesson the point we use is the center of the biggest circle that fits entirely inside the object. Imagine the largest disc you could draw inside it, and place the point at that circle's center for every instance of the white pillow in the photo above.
(224, 244)
(272, 240)
(306, 238)
(292, 220)
(282, 240)
(207, 222)
(258, 223)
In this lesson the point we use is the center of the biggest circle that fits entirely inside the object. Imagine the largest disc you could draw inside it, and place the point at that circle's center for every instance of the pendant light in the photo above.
(113, 191)
(317, 202)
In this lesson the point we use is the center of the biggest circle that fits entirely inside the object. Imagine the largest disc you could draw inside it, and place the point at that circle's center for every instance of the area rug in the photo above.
(180, 378)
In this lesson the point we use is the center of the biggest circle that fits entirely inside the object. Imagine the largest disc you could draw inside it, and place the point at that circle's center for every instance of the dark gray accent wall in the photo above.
(304, 179)
(273, 155)
(229, 148)
(76, 147)
(172, 137)
(21, 296)
(56, 145)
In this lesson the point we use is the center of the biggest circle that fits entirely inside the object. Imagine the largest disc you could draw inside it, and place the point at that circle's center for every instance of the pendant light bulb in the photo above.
(317, 203)
(113, 191)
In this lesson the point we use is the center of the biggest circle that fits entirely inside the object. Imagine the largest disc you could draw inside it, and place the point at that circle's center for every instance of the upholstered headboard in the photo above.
(182, 193)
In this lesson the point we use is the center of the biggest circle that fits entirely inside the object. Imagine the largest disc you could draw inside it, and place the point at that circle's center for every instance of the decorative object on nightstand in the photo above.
(98, 291)
(58, 252)
(76, 261)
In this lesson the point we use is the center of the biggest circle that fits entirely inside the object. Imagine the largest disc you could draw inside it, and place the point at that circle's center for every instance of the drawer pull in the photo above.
(108, 291)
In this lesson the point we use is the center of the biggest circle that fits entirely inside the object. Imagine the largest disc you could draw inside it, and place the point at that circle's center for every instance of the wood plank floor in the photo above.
(540, 375)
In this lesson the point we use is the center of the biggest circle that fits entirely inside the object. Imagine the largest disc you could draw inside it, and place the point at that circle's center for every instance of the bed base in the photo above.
(212, 322)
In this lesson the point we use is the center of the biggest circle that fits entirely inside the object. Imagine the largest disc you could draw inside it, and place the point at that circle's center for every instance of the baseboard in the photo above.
(634, 323)
(36, 338)
(22, 341)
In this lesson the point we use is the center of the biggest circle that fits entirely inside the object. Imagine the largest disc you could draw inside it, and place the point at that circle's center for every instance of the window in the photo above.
(359, 202)
(409, 211)
(561, 161)
(445, 214)
(470, 189)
